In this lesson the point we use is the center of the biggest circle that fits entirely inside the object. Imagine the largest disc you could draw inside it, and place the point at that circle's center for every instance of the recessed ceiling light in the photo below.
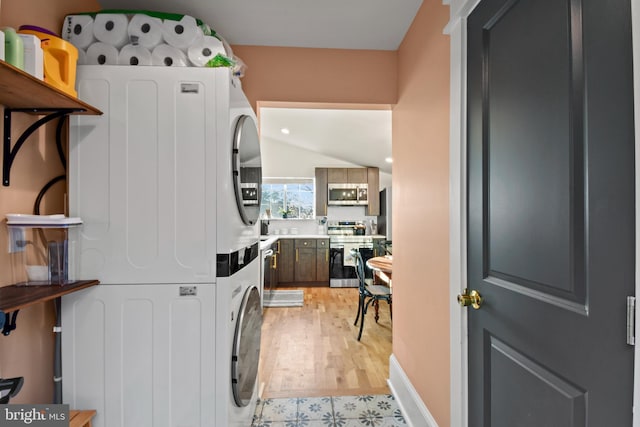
(388, 160)
(285, 131)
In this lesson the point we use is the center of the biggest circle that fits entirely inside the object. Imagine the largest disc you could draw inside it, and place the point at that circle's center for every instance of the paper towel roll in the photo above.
(183, 33)
(168, 56)
(111, 28)
(102, 54)
(145, 30)
(82, 57)
(134, 55)
(200, 53)
(78, 30)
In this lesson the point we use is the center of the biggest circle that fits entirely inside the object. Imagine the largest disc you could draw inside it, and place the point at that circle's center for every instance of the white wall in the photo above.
(284, 160)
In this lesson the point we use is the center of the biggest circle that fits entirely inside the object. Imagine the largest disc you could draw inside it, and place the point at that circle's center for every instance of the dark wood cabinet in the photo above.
(357, 175)
(322, 260)
(303, 261)
(337, 175)
(321, 191)
(369, 176)
(373, 180)
(305, 267)
(286, 260)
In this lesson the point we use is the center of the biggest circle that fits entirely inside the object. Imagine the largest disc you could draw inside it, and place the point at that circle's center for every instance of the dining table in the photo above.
(382, 267)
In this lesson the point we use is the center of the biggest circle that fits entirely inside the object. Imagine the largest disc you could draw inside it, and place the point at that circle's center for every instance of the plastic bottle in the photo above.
(13, 48)
(1, 45)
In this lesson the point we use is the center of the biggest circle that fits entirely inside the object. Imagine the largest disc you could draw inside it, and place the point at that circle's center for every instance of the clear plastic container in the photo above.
(41, 255)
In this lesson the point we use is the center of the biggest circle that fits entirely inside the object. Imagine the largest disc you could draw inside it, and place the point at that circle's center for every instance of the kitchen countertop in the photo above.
(271, 238)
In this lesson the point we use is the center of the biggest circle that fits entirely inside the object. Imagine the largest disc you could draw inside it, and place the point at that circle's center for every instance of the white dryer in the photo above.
(153, 178)
(239, 324)
(167, 183)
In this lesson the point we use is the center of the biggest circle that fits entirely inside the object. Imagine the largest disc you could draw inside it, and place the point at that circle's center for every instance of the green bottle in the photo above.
(13, 48)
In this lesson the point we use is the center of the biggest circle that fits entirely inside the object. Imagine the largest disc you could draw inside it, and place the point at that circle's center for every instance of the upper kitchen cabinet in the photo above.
(321, 191)
(369, 176)
(373, 181)
(347, 175)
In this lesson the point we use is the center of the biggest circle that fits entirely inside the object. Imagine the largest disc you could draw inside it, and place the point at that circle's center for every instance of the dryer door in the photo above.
(246, 347)
(247, 169)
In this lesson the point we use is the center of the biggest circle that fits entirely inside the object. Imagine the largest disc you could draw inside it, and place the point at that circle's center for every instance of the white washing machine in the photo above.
(167, 183)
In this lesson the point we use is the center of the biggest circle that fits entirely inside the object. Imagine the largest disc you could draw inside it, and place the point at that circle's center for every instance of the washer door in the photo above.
(246, 347)
(247, 169)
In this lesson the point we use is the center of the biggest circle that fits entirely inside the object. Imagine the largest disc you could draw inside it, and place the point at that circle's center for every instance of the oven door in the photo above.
(342, 273)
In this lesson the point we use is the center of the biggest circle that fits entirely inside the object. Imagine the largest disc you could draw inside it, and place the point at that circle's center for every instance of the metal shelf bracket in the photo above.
(9, 153)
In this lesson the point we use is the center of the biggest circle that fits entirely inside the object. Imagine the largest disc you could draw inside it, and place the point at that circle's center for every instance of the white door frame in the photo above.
(457, 30)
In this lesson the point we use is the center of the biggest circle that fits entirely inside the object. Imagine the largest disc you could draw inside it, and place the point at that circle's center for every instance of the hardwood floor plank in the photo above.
(313, 350)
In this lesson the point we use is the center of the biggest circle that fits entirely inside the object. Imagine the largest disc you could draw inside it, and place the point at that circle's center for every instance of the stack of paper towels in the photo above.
(144, 38)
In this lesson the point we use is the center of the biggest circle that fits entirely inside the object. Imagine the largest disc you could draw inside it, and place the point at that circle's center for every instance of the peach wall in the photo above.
(28, 351)
(318, 75)
(421, 209)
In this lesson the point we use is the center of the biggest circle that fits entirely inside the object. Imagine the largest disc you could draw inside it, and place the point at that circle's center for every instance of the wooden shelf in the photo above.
(20, 90)
(15, 297)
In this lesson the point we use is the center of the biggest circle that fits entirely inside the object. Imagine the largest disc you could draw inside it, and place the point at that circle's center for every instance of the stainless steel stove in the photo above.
(343, 237)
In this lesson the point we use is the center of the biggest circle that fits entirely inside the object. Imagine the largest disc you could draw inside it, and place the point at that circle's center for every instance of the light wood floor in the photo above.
(312, 351)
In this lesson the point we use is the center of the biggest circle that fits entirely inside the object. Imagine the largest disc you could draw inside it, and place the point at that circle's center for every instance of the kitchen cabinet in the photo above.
(322, 260)
(370, 176)
(303, 261)
(347, 175)
(373, 181)
(305, 267)
(321, 191)
(336, 175)
(285, 260)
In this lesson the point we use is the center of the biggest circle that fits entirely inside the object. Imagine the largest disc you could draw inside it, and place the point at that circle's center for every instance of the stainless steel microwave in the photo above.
(348, 194)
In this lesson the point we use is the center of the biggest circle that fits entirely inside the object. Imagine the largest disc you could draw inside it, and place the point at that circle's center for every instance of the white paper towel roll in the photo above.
(102, 54)
(200, 53)
(111, 28)
(168, 56)
(183, 33)
(145, 30)
(82, 57)
(78, 30)
(131, 54)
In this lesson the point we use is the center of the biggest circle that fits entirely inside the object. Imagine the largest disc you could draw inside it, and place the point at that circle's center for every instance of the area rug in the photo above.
(279, 298)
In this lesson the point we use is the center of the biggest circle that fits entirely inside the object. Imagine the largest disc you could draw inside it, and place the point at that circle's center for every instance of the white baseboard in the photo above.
(413, 409)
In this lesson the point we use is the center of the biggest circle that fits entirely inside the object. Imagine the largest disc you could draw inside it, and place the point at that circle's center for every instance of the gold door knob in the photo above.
(472, 299)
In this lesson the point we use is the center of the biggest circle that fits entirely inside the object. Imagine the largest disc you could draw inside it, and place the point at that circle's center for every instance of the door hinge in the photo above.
(631, 320)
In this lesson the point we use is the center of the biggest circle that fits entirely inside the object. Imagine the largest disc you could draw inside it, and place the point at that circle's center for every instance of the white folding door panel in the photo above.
(141, 355)
(143, 175)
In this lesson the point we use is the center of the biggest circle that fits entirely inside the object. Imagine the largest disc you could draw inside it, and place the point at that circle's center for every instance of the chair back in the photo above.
(359, 268)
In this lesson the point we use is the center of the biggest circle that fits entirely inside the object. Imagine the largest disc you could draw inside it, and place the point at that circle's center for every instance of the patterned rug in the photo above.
(294, 298)
(336, 411)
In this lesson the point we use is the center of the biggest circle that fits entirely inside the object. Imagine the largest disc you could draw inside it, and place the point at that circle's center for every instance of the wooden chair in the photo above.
(368, 293)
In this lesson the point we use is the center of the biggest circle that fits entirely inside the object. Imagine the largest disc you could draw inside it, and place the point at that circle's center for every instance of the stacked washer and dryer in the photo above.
(167, 183)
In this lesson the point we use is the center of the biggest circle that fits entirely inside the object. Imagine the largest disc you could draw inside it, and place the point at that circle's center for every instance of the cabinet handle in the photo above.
(326, 255)
(278, 244)
(274, 263)
(297, 254)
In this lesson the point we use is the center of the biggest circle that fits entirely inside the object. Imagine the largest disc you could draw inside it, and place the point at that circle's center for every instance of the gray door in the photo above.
(551, 212)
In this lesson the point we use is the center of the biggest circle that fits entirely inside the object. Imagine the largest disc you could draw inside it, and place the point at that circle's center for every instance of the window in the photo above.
(287, 198)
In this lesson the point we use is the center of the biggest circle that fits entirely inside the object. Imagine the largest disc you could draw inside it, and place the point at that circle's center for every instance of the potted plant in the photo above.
(285, 212)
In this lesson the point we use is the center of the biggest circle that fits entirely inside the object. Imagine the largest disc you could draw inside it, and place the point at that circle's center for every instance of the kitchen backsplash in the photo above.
(313, 226)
